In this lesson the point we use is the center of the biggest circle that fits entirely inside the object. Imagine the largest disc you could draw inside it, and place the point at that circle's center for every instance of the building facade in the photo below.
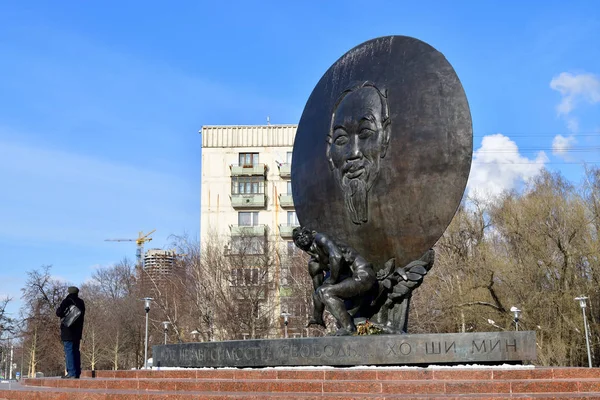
(246, 185)
(159, 267)
(246, 198)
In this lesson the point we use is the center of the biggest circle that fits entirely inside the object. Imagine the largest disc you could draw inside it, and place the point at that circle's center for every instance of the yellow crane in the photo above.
(141, 239)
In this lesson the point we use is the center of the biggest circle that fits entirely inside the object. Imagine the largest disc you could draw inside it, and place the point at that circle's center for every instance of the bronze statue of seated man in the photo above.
(350, 277)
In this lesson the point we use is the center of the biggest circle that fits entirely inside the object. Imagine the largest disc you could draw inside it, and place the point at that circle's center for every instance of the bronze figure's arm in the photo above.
(334, 254)
(315, 270)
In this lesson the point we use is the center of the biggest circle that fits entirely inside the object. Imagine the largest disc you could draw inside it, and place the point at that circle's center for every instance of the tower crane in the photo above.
(141, 239)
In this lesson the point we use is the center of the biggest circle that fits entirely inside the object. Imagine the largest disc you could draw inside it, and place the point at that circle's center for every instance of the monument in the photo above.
(381, 160)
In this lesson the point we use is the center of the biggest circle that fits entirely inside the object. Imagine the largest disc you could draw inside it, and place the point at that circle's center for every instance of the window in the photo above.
(248, 218)
(289, 187)
(244, 276)
(288, 158)
(284, 276)
(247, 185)
(247, 245)
(237, 278)
(294, 306)
(292, 219)
(251, 276)
(248, 159)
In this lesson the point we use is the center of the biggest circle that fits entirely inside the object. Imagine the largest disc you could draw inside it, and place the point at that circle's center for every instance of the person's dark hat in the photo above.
(73, 290)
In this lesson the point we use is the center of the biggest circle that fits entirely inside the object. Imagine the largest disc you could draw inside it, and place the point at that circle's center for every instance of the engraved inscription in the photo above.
(438, 347)
(403, 348)
(224, 354)
(489, 346)
(511, 344)
(316, 351)
(382, 350)
(433, 348)
(480, 347)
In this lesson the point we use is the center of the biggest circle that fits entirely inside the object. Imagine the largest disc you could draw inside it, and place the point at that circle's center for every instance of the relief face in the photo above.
(358, 139)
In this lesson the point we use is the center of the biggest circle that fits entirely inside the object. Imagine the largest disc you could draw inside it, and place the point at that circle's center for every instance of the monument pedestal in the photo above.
(421, 350)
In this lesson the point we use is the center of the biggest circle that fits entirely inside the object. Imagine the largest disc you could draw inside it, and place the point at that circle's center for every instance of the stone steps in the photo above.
(73, 394)
(331, 384)
(98, 394)
(314, 386)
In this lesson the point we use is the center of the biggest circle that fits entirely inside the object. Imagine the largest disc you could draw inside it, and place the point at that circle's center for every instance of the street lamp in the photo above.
(583, 304)
(285, 316)
(166, 329)
(516, 313)
(147, 301)
(11, 360)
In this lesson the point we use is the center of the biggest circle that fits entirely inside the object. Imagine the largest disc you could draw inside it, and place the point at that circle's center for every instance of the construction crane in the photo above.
(141, 239)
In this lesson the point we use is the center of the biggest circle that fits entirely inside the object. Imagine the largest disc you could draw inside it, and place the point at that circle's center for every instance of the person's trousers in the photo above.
(72, 357)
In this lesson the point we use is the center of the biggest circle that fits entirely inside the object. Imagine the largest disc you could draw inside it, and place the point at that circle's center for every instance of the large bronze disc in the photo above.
(383, 149)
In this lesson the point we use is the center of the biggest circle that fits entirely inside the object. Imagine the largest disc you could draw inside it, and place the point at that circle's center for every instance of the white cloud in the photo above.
(573, 124)
(562, 144)
(498, 166)
(575, 89)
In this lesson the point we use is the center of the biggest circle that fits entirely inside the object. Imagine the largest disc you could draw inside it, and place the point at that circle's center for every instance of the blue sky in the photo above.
(101, 102)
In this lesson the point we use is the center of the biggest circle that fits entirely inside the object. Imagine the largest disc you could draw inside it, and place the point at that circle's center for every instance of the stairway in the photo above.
(376, 383)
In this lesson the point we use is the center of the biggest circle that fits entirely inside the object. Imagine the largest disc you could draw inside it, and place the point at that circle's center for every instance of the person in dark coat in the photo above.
(71, 335)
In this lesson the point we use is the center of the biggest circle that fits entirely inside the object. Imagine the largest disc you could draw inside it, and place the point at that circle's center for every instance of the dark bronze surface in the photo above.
(340, 276)
(440, 348)
(383, 150)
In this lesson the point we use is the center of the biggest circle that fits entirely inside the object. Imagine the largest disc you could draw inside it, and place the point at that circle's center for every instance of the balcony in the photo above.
(285, 170)
(248, 200)
(286, 200)
(241, 230)
(285, 230)
(248, 169)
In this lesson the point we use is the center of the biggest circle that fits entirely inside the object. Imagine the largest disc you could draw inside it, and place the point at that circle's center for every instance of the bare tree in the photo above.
(42, 294)
(247, 288)
(7, 323)
(297, 294)
(230, 288)
(113, 298)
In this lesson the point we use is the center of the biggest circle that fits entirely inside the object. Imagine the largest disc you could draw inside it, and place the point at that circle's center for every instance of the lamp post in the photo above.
(516, 313)
(583, 304)
(147, 301)
(22, 359)
(166, 329)
(285, 316)
(11, 361)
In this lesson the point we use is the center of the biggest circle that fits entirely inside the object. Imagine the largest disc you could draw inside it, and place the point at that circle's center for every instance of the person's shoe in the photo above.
(67, 377)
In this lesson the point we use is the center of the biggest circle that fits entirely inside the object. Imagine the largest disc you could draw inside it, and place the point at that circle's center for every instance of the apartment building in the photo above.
(246, 195)
(246, 186)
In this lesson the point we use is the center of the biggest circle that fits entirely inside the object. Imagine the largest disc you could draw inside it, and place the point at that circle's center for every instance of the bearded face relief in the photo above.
(357, 141)
(383, 150)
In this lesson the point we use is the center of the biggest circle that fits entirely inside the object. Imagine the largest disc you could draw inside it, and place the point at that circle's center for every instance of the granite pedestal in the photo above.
(423, 349)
